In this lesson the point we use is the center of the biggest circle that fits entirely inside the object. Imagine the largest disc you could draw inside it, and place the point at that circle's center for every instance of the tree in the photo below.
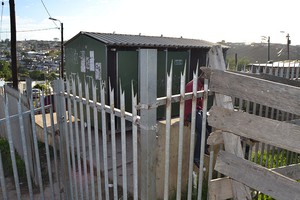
(7, 54)
(42, 87)
(52, 76)
(5, 70)
(37, 75)
(23, 72)
(240, 64)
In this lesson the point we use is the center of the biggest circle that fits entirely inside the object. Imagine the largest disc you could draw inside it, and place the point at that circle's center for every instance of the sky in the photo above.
(211, 20)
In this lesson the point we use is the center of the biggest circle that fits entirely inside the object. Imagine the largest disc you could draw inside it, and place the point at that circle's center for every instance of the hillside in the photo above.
(258, 52)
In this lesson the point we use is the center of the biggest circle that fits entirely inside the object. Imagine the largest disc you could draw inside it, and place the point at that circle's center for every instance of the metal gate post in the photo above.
(60, 107)
(148, 82)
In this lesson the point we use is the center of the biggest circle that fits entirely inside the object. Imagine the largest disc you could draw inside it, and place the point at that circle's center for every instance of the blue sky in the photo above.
(211, 20)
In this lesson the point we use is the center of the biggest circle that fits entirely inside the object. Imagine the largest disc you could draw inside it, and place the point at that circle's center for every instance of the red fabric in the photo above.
(188, 103)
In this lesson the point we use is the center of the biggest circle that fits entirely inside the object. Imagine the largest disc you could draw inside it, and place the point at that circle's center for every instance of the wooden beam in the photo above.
(220, 189)
(257, 177)
(276, 95)
(273, 78)
(216, 61)
(280, 134)
(291, 171)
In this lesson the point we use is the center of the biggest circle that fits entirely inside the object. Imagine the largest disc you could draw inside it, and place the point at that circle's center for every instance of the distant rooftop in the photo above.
(284, 63)
(112, 39)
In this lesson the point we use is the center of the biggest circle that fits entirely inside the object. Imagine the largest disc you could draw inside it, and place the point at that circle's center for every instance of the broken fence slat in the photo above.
(276, 95)
(220, 189)
(257, 177)
(251, 126)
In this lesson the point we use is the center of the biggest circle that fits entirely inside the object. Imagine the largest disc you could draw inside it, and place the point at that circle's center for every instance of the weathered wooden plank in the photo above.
(291, 171)
(276, 95)
(273, 78)
(280, 134)
(216, 61)
(220, 189)
(257, 177)
(215, 138)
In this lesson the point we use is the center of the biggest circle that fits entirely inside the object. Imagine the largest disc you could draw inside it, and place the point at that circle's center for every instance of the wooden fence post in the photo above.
(232, 142)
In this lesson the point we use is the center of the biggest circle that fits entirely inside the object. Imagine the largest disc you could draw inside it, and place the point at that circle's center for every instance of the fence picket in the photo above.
(134, 144)
(96, 132)
(47, 145)
(104, 139)
(123, 141)
(72, 140)
(90, 146)
(192, 139)
(36, 150)
(12, 149)
(168, 127)
(77, 138)
(113, 142)
(203, 138)
(82, 127)
(181, 126)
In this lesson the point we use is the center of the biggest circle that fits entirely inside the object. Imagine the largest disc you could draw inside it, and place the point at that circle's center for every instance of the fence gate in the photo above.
(267, 162)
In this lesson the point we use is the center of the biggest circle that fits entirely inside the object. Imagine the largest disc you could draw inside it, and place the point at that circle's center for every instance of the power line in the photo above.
(32, 30)
(48, 12)
(45, 8)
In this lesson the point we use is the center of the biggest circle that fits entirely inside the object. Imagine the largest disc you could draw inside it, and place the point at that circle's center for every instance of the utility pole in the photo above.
(61, 46)
(13, 43)
(62, 49)
(235, 60)
(268, 48)
(288, 45)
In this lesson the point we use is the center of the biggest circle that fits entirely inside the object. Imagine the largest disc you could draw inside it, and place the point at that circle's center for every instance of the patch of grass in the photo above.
(8, 168)
(7, 163)
(273, 160)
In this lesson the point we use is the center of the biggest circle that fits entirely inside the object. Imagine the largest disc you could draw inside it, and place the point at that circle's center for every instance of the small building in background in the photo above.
(115, 57)
(287, 68)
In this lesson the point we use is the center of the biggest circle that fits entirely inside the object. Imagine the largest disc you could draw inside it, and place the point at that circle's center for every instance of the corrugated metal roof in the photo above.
(112, 39)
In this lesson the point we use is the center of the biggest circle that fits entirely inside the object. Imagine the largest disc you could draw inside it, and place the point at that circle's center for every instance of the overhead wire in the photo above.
(31, 30)
(48, 13)
(45, 8)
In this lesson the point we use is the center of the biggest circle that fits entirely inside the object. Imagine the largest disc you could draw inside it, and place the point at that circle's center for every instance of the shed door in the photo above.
(127, 71)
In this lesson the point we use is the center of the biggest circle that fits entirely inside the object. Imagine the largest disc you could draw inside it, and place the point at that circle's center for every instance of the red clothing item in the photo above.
(188, 103)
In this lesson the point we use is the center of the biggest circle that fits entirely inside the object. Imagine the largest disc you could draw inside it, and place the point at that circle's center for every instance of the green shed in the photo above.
(115, 56)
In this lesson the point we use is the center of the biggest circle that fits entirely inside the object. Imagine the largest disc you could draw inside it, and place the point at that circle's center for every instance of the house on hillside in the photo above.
(116, 57)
